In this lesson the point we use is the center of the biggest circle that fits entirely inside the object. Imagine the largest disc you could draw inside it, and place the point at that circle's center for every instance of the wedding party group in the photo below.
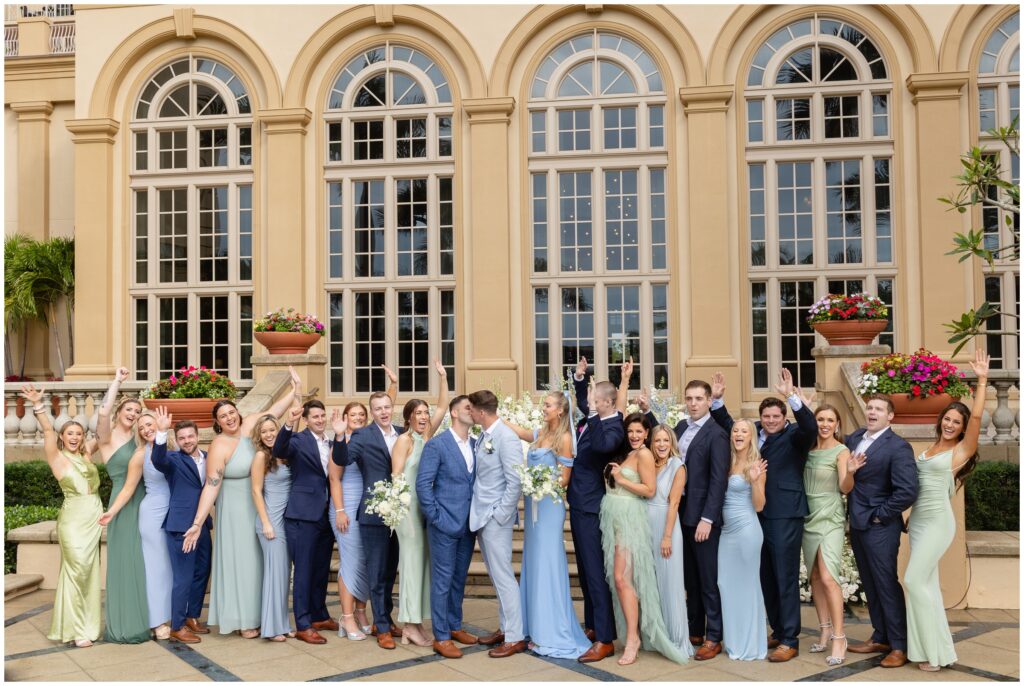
(687, 539)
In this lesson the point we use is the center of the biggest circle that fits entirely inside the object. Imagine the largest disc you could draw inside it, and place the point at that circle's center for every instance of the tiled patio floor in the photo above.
(987, 643)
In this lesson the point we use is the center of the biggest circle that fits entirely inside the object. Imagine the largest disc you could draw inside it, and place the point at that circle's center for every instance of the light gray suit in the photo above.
(493, 513)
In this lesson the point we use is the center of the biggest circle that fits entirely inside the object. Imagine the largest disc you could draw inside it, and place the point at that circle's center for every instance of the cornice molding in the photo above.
(489, 110)
(706, 98)
(100, 130)
(937, 86)
(287, 120)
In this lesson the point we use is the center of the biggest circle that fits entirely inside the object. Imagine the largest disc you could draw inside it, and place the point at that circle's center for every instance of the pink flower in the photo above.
(892, 373)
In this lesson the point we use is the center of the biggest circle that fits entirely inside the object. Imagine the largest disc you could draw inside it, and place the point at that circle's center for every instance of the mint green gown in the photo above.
(127, 608)
(624, 525)
(825, 524)
(932, 527)
(76, 605)
(413, 555)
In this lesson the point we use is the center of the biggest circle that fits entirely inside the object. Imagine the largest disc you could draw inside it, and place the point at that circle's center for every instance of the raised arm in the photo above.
(675, 494)
(622, 399)
(605, 436)
(283, 443)
(216, 461)
(579, 385)
(339, 449)
(718, 411)
(527, 435)
(131, 482)
(34, 399)
(392, 384)
(441, 409)
(103, 427)
(159, 455)
(257, 472)
(967, 447)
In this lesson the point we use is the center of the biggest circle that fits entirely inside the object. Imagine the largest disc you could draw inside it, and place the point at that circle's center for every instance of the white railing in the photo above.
(1002, 425)
(11, 41)
(75, 400)
(15, 12)
(62, 38)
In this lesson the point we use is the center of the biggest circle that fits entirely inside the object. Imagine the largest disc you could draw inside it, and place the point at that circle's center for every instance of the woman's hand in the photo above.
(268, 531)
(627, 369)
(980, 364)
(121, 375)
(163, 420)
(756, 470)
(615, 469)
(717, 385)
(855, 462)
(188, 543)
(666, 547)
(106, 518)
(339, 424)
(643, 402)
(804, 398)
(441, 371)
(341, 521)
(392, 377)
(32, 394)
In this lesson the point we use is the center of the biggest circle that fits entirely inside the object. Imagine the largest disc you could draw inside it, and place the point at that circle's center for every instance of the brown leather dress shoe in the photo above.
(597, 652)
(447, 649)
(385, 641)
(493, 639)
(184, 635)
(325, 625)
(773, 643)
(869, 647)
(708, 650)
(310, 636)
(896, 658)
(395, 631)
(590, 634)
(507, 649)
(783, 653)
(195, 626)
(696, 641)
(463, 637)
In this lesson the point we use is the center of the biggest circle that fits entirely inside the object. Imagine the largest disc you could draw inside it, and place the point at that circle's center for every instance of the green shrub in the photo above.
(32, 483)
(992, 497)
(16, 516)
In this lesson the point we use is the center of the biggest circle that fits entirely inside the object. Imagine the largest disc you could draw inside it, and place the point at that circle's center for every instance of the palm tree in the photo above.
(17, 312)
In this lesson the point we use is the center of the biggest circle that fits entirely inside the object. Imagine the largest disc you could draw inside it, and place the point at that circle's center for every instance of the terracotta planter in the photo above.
(287, 342)
(199, 410)
(923, 410)
(850, 331)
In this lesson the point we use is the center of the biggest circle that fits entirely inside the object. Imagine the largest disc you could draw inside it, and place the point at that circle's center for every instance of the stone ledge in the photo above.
(993, 543)
(20, 584)
(40, 532)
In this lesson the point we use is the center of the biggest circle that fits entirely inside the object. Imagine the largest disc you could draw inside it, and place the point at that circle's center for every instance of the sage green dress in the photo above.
(825, 525)
(624, 525)
(932, 528)
(236, 592)
(76, 605)
(413, 556)
(127, 608)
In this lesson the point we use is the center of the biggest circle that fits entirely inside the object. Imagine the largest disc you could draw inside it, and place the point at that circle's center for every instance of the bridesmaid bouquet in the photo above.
(541, 481)
(390, 500)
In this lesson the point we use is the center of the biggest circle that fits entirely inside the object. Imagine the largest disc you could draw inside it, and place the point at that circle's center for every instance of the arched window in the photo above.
(390, 245)
(819, 153)
(596, 163)
(191, 231)
(999, 107)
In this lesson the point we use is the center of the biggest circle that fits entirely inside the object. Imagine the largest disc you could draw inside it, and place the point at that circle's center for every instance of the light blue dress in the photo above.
(744, 621)
(548, 615)
(277, 486)
(352, 564)
(669, 572)
(152, 511)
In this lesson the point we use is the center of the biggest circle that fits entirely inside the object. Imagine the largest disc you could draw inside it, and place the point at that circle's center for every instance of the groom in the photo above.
(492, 515)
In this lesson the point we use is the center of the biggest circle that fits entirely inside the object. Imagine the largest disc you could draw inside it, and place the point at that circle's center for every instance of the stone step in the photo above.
(20, 584)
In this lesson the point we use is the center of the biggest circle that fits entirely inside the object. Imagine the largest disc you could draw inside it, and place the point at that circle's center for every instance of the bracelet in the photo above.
(39, 410)
(341, 510)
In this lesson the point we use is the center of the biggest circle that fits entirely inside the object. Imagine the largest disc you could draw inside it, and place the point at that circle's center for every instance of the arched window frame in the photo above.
(399, 314)
(190, 188)
(782, 288)
(607, 299)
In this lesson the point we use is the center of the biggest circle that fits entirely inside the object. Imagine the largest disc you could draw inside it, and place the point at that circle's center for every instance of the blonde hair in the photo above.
(125, 399)
(81, 446)
(673, 444)
(753, 453)
(138, 425)
(554, 436)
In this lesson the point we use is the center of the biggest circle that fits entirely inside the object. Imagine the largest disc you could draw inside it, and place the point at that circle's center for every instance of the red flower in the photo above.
(917, 390)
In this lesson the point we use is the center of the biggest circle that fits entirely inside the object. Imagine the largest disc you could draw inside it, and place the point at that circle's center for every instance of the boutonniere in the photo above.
(488, 447)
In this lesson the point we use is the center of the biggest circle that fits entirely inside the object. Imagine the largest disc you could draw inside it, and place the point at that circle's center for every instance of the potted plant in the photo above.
(287, 332)
(849, 319)
(190, 393)
(920, 385)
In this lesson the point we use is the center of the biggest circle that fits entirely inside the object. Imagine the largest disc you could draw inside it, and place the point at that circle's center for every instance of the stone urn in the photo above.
(199, 410)
(912, 409)
(850, 331)
(287, 342)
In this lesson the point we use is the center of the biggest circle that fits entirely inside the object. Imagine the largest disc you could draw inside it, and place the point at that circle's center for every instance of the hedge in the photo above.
(32, 483)
(16, 516)
(992, 497)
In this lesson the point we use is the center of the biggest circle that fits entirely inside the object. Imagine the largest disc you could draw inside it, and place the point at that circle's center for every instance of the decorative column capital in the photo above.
(39, 110)
(706, 98)
(287, 120)
(489, 110)
(937, 86)
(100, 130)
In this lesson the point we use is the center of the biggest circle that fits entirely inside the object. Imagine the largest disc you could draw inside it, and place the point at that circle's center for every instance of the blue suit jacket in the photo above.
(887, 483)
(366, 448)
(185, 485)
(444, 486)
(598, 444)
(308, 499)
(707, 474)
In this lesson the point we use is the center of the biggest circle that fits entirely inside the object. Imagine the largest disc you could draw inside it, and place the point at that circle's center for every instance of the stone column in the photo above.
(94, 262)
(928, 269)
(34, 36)
(488, 240)
(711, 264)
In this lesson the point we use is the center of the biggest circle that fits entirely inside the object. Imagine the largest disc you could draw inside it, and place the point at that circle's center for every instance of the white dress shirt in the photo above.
(867, 439)
(323, 444)
(465, 449)
(389, 438)
(161, 438)
(692, 427)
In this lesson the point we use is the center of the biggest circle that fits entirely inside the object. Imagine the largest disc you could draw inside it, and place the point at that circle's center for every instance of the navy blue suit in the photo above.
(782, 519)
(599, 443)
(882, 489)
(191, 571)
(444, 486)
(367, 448)
(307, 525)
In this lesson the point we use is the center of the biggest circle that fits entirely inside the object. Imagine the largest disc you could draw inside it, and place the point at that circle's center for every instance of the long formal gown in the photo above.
(352, 564)
(548, 615)
(237, 586)
(669, 572)
(76, 604)
(126, 607)
(825, 525)
(744, 621)
(624, 525)
(413, 555)
(277, 485)
(932, 528)
(152, 511)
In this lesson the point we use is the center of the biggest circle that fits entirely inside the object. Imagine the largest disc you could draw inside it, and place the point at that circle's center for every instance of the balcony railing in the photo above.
(16, 12)
(11, 41)
(62, 38)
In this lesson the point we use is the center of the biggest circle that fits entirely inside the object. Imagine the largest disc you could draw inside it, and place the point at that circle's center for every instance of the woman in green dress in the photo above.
(236, 586)
(932, 525)
(76, 604)
(828, 473)
(126, 610)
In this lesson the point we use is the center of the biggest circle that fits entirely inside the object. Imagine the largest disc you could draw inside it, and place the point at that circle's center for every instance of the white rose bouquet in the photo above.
(541, 481)
(390, 500)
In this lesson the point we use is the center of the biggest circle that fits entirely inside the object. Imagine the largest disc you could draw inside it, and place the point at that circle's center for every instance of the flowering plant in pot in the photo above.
(849, 319)
(190, 393)
(921, 384)
(288, 332)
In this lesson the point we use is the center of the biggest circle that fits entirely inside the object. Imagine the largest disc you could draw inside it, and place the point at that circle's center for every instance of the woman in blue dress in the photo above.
(548, 615)
(744, 621)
